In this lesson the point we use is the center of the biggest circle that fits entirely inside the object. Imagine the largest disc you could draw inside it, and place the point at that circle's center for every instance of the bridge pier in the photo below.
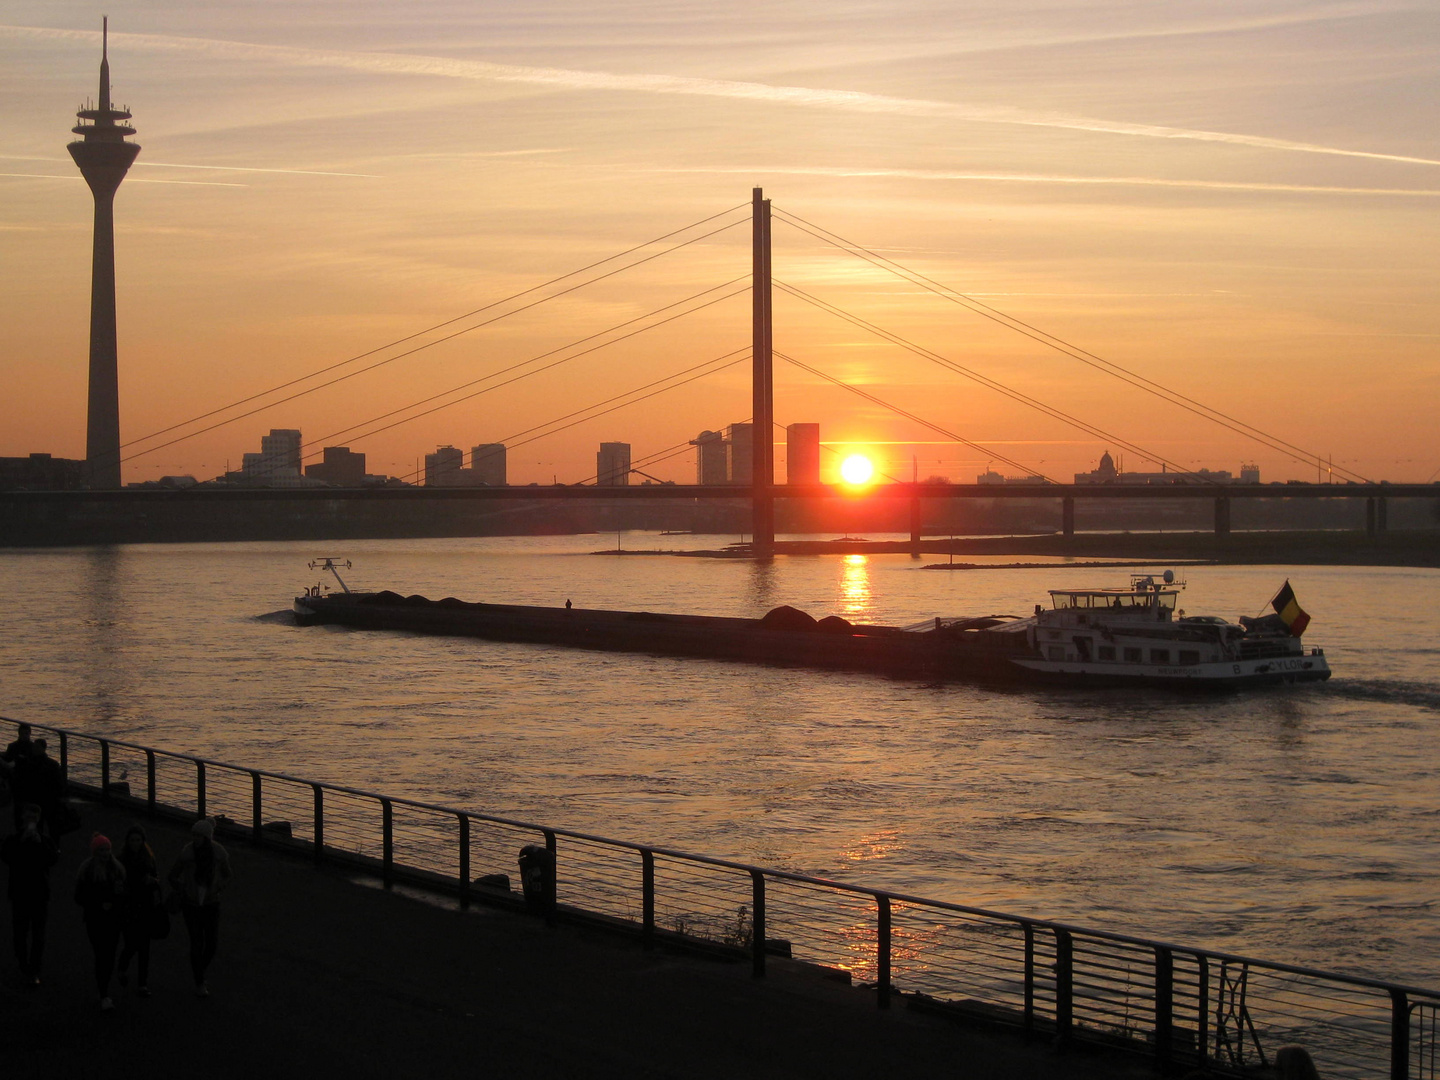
(1222, 516)
(915, 524)
(1377, 515)
(1067, 515)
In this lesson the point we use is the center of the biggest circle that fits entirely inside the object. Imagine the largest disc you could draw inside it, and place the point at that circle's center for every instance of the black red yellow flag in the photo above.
(1288, 608)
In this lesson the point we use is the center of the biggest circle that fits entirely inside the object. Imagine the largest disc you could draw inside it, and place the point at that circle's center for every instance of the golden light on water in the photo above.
(857, 469)
(855, 594)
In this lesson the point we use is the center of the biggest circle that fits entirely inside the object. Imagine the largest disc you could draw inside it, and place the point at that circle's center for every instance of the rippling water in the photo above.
(1300, 824)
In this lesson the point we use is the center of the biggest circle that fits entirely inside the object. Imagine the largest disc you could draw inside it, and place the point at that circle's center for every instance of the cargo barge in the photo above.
(1088, 637)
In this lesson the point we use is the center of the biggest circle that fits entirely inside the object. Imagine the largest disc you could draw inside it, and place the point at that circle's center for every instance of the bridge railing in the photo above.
(1182, 1005)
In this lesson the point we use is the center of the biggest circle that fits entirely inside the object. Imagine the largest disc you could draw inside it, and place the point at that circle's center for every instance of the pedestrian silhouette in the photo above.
(100, 891)
(29, 854)
(199, 875)
(137, 917)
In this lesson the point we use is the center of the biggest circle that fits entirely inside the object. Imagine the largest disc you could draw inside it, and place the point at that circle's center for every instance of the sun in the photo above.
(857, 469)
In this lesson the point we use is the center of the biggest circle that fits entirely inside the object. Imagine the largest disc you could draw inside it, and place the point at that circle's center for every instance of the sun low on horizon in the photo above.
(857, 470)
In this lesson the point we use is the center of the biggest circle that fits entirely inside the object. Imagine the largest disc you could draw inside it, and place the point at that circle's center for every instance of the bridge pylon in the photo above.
(763, 408)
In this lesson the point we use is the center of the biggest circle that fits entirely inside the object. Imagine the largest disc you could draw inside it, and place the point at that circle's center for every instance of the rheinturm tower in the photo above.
(104, 158)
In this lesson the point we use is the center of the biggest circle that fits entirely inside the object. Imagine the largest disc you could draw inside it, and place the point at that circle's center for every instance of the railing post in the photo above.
(551, 889)
(1064, 984)
(757, 924)
(1029, 978)
(1164, 1004)
(256, 822)
(387, 843)
(318, 827)
(150, 780)
(882, 951)
(200, 789)
(647, 897)
(1399, 1036)
(1202, 1017)
(64, 755)
(464, 859)
(104, 771)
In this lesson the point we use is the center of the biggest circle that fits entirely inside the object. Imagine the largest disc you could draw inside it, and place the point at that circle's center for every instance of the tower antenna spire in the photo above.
(104, 63)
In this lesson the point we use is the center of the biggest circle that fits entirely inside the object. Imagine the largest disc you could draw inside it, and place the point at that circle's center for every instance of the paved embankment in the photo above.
(320, 976)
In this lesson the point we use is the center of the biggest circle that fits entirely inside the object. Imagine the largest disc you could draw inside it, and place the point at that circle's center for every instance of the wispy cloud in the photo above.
(217, 168)
(130, 180)
(569, 79)
(1046, 178)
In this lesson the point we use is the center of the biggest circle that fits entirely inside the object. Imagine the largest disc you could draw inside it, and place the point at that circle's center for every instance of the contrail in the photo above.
(799, 96)
(219, 168)
(1043, 178)
(132, 180)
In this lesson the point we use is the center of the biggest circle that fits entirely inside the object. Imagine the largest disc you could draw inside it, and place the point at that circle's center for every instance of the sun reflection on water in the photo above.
(855, 594)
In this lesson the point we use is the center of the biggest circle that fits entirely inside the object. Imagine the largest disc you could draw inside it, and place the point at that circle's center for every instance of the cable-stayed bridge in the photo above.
(760, 354)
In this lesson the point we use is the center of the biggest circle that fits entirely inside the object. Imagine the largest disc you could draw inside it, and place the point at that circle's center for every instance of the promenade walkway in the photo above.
(320, 976)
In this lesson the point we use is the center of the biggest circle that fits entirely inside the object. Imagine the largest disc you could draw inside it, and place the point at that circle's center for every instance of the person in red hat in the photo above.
(100, 892)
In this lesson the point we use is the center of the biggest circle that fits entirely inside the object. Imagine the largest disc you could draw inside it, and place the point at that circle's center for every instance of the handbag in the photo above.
(159, 923)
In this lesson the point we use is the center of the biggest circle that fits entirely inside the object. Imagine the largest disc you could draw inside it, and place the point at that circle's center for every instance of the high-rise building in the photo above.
(487, 463)
(802, 454)
(104, 157)
(741, 444)
(612, 464)
(278, 459)
(709, 457)
(442, 468)
(342, 467)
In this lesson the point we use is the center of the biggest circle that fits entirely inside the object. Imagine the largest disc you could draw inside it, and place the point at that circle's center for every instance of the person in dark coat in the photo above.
(46, 785)
(100, 891)
(29, 854)
(200, 875)
(137, 910)
(19, 747)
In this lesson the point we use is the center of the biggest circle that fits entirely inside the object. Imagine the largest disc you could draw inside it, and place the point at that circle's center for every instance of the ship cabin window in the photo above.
(1159, 656)
(1107, 652)
(1114, 601)
(1132, 656)
(1189, 656)
(1056, 652)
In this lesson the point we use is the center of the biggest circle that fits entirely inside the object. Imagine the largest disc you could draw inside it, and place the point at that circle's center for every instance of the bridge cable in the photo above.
(952, 436)
(536, 359)
(694, 372)
(437, 341)
(507, 382)
(988, 382)
(1108, 367)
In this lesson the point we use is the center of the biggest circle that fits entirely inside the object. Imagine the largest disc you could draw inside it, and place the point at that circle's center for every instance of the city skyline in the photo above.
(1254, 240)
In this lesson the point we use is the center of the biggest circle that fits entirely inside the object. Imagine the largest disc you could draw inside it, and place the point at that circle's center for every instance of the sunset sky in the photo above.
(1239, 200)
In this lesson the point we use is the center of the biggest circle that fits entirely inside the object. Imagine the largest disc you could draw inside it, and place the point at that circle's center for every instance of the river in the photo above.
(1299, 824)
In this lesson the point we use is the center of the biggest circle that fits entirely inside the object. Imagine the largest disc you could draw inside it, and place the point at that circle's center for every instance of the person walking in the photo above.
(29, 854)
(200, 875)
(100, 892)
(137, 910)
(46, 782)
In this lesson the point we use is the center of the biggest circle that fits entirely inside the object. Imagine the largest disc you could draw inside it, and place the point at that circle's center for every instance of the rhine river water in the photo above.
(1299, 824)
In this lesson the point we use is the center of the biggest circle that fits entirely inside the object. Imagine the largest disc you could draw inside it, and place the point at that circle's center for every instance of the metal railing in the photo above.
(1181, 1005)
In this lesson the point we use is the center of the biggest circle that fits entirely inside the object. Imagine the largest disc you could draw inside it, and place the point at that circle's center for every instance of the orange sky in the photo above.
(1240, 204)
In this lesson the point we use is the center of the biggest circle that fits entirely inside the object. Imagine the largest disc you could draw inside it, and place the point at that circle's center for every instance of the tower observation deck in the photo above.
(104, 157)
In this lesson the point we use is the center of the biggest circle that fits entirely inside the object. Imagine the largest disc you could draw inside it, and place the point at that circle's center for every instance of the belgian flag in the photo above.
(1288, 608)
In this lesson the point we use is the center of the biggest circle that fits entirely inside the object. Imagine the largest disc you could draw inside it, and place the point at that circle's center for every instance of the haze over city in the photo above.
(1238, 202)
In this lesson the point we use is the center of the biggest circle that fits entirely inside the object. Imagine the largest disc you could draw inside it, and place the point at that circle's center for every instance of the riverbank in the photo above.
(319, 975)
